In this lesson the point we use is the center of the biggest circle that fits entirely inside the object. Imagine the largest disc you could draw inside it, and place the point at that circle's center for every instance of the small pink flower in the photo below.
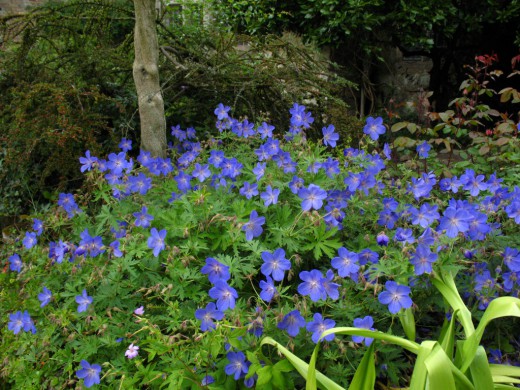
(132, 351)
(139, 311)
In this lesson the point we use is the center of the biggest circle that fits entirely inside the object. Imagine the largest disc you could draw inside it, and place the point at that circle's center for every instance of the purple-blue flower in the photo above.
(253, 228)
(30, 240)
(87, 162)
(318, 326)
(512, 259)
(275, 264)
(374, 127)
(201, 172)
(222, 111)
(473, 183)
(207, 315)
(259, 170)
(454, 221)
(423, 259)
(140, 183)
(83, 301)
(224, 294)
(183, 181)
(249, 190)
(425, 216)
(312, 197)
(215, 270)
(265, 130)
(207, 380)
(382, 239)
(364, 323)
(513, 210)
(396, 297)
(423, 149)
(237, 364)
(295, 184)
(329, 286)
(404, 236)
(329, 136)
(156, 241)
(37, 226)
(15, 263)
(89, 373)
(292, 322)
(125, 145)
(268, 289)
(45, 296)
(142, 218)
(68, 203)
(19, 321)
(312, 285)
(270, 196)
(346, 263)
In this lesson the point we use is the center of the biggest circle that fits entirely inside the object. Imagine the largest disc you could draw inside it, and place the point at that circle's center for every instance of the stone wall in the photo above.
(402, 78)
(8, 7)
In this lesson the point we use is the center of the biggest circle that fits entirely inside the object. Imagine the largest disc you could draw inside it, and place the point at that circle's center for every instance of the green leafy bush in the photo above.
(180, 272)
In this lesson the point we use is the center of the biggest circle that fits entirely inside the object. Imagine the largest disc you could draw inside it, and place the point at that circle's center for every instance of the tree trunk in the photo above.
(146, 78)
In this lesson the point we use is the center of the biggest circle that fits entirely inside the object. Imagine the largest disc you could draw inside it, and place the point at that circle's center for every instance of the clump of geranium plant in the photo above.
(180, 271)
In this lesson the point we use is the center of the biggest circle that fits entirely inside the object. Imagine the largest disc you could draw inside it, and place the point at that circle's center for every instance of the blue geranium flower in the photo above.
(318, 326)
(423, 149)
(224, 294)
(346, 263)
(270, 196)
(396, 297)
(207, 315)
(90, 373)
(312, 197)
(15, 263)
(19, 321)
(83, 301)
(329, 136)
(268, 289)
(215, 270)
(253, 228)
(292, 322)
(156, 240)
(374, 127)
(423, 259)
(45, 296)
(364, 323)
(312, 285)
(275, 264)
(237, 364)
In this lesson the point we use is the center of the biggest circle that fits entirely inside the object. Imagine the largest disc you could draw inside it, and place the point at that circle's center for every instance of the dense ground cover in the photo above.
(181, 273)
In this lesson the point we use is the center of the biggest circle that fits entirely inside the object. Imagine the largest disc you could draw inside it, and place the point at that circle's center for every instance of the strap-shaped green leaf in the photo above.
(420, 374)
(505, 379)
(504, 369)
(408, 323)
(447, 337)
(409, 345)
(448, 289)
(302, 367)
(365, 376)
(439, 372)
(480, 371)
(442, 373)
(499, 307)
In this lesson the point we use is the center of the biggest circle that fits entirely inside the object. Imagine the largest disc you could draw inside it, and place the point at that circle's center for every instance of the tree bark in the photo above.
(146, 78)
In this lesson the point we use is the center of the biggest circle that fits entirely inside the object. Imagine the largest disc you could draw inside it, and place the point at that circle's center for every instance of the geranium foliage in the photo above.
(168, 273)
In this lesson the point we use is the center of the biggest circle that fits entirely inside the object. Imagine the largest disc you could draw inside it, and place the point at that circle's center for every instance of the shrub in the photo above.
(169, 272)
